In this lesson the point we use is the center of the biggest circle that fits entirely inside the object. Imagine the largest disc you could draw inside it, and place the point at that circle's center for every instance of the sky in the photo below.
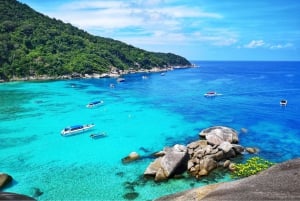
(266, 30)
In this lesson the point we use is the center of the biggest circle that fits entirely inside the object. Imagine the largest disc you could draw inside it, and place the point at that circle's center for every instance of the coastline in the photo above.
(113, 73)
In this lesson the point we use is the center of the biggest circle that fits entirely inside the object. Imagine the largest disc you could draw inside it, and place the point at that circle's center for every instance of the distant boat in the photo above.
(120, 80)
(162, 74)
(71, 130)
(94, 104)
(96, 136)
(283, 102)
(211, 94)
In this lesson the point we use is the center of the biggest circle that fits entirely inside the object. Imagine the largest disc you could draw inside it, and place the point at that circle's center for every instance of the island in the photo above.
(35, 46)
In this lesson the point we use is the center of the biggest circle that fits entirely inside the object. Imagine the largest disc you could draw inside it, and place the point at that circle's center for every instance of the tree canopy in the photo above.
(33, 44)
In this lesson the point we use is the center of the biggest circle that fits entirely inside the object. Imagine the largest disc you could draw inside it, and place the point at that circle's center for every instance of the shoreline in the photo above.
(114, 73)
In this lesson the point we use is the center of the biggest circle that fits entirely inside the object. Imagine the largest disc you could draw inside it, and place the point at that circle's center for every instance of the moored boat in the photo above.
(211, 94)
(121, 79)
(71, 130)
(283, 102)
(94, 104)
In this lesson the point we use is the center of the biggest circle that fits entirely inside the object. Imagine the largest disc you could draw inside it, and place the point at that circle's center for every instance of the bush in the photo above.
(251, 167)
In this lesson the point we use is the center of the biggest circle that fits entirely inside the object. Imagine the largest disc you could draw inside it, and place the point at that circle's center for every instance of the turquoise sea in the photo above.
(141, 115)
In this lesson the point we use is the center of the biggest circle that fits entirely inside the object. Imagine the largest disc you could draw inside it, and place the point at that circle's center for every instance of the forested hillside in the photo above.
(32, 44)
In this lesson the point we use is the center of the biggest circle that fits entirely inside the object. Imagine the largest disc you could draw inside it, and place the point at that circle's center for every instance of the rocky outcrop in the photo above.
(171, 163)
(201, 156)
(14, 196)
(280, 182)
(5, 179)
(205, 157)
(218, 134)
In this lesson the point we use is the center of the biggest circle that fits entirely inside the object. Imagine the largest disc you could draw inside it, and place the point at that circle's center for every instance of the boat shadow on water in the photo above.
(96, 136)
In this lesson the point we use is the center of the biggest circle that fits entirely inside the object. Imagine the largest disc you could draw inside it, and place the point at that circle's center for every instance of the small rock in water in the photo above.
(36, 192)
(252, 150)
(120, 174)
(244, 130)
(131, 196)
(131, 157)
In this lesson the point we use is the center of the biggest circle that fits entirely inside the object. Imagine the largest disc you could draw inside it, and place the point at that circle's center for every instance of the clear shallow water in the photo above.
(142, 115)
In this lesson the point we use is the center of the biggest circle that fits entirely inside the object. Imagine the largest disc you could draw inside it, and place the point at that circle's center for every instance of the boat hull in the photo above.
(211, 94)
(69, 132)
(283, 102)
(94, 104)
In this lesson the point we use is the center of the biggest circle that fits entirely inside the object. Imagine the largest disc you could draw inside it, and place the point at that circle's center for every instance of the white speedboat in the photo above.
(71, 130)
(211, 94)
(121, 79)
(283, 102)
(94, 104)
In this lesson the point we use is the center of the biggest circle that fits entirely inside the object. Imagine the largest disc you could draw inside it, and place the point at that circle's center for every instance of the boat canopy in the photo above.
(76, 127)
(95, 102)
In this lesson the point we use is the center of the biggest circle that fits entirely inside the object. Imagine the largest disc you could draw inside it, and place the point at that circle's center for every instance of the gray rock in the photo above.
(173, 159)
(206, 166)
(218, 134)
(238, 148)
(131, 157)
(159, 154)
(252, 150)
(231, 166)
(230, 154)
(226, 163)
(225, 146)
(14, 196)
(201, 167)
(190, 164)
(199, 153)
(208, 149)
(160, 175)
(195, 144)
(217, 156)
(153, 168)
(5, 179)
(173, 162)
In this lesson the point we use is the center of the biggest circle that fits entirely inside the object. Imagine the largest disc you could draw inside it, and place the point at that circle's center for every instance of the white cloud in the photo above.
(85, 5)
(87, 14)
(281, 46)
(167, 38)
(261, 43)
(173, 21)
(255, 44)
(216, 37)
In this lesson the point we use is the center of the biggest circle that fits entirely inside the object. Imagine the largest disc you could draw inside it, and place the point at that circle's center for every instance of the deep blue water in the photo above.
(142, 115)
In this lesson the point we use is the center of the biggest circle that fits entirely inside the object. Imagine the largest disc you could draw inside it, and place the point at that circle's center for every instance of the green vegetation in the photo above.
(251, 167)
(32, 44)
